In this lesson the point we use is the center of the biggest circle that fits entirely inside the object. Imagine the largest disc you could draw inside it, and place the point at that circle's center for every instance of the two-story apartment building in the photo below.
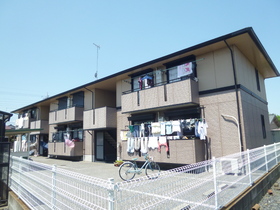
(206, 100)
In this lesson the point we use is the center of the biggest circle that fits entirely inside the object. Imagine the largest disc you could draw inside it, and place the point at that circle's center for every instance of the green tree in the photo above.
(278, 117)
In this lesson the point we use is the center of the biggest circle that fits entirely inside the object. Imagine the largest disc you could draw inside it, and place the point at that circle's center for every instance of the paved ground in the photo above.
(108, 170)
(97, 169)
(271, 201)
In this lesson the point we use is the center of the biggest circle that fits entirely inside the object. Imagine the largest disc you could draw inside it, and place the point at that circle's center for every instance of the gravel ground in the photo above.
(271, 201)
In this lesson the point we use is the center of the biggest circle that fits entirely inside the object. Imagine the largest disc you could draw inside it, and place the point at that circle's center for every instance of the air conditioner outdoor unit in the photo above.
(230, 166)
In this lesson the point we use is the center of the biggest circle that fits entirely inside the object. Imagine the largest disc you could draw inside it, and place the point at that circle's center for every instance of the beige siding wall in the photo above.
(53, 105)
(121, 87)
(104, 98)
(100, 118)
(222, 132)
(246, 74)
(89, 103)
(88, 145)
(44, 113)
(215, 70)
(251, 111)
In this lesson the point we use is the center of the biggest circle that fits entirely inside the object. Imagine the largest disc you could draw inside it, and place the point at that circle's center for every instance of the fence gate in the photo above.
(4, 172)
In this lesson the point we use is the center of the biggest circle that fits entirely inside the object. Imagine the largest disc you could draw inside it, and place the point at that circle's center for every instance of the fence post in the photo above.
(53, 198)
(215, 182)
(265, 157)
(111, 194)
(249, 167)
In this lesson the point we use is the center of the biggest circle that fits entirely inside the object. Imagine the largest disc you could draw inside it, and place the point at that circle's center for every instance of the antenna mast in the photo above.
(97, 48)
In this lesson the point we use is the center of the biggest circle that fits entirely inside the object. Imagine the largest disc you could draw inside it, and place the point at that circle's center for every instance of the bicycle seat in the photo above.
(134, 159)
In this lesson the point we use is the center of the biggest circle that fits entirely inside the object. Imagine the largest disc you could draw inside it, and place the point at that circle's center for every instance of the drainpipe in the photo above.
(238, 129)
(236, 93)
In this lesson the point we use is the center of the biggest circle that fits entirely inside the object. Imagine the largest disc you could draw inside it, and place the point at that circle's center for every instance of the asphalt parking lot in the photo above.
(97, 169)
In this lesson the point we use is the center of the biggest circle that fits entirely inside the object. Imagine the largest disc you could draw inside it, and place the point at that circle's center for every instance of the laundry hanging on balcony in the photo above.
(184, 69)
(68, 142)
(145, 82)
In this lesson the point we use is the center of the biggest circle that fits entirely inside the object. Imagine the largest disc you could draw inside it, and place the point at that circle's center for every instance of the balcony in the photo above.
(177, 93)
(66, 115)
(23, 123)
(61, 149)
(40, 124)
(181, 152)
(104, 117)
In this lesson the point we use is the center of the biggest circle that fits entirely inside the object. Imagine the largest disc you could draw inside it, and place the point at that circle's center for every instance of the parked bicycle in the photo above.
(128, 169)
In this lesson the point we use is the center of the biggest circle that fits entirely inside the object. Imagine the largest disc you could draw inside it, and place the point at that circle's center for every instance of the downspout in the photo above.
(237, 96)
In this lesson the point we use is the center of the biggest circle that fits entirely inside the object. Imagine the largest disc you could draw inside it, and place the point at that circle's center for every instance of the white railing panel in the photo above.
(204, 185)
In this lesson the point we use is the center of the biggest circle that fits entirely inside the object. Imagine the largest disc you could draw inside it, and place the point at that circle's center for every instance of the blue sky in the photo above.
(46, 47)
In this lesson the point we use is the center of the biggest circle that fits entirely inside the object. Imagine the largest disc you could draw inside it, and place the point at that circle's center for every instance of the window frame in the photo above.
(258, 80)
(263, 126)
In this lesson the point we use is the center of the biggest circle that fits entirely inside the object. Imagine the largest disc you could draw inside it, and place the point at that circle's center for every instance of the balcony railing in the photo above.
(176, 93)
(104, 117)
(62, 149)
(23, 123)
(66, 115)
(43, 124)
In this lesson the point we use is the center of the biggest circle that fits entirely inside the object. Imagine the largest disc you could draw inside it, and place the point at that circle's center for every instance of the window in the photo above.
(142, 80)
(78, 99)
(181, 69)
(62, 103)
(263, 126)
(258, 80)
(33, 113)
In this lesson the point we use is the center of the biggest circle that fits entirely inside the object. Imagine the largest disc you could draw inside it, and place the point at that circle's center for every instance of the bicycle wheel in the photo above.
(152, 170)
(127, 171)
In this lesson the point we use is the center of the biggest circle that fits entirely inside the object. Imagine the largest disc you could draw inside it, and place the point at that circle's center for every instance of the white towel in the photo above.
(153, 143)
(137, 143)
(162, 140)
(130, 145)
(144, 145)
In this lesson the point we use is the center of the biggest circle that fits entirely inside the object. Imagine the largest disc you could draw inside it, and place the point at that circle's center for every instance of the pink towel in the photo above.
(69, 143)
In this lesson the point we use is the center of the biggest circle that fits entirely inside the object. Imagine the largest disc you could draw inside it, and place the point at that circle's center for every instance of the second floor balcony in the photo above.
(169, 94)
(104, 117)
(71, 114)
(23, 123)
(40, 124)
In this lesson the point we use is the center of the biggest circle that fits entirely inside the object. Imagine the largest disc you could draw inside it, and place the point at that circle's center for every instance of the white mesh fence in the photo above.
(43, 186)
(205, 185)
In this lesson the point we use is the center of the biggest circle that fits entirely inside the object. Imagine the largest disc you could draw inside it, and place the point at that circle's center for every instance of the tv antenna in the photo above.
(97, 48)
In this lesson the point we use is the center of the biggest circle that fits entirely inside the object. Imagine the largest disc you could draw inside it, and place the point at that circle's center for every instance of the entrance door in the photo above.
(99, 145)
